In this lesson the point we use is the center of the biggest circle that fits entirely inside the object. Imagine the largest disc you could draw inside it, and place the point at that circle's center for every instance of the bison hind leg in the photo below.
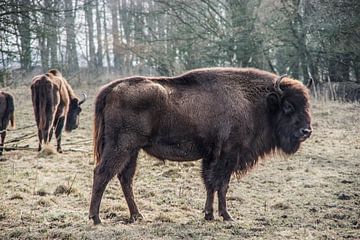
(126, 178)
(118, 158)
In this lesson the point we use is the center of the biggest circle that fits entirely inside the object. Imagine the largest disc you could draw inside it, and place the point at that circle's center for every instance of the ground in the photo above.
(314, 194)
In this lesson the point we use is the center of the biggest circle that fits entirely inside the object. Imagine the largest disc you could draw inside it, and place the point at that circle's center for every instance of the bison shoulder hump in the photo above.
(143, 93)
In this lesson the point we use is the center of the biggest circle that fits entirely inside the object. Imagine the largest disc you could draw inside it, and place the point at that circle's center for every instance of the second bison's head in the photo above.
(289, 112)
(72, 119)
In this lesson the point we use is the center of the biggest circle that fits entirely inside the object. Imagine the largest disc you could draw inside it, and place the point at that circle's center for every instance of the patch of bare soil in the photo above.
(311, 195)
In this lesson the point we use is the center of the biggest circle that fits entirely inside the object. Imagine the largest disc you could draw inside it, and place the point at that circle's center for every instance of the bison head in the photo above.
(290, 114)
(72, 119)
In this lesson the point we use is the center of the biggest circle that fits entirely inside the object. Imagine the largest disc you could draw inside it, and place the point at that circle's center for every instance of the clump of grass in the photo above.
(62, 189)
(164, 218)
(16, 233)
(43, 203)
(47, 150)
(56, 216)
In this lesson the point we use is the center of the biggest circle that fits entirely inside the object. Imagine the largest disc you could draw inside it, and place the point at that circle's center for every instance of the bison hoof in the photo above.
(59, 150)
(209, 216)
(226, 217)
(96, 219)
(134, 217)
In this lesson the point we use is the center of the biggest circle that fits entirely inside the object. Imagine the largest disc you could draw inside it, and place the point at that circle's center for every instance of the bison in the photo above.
(55, 105)
(228, 117)
(6, 115)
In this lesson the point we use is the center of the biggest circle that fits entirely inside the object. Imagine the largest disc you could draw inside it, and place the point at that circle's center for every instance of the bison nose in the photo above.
(305, 132)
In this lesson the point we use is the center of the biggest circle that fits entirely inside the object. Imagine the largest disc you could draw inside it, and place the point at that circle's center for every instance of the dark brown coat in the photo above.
(228, 117)
(6, 115)
(55, 105)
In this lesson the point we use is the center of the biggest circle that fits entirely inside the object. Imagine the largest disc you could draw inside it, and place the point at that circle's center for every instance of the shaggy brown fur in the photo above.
(6, 115)
(55, 105)
(228, 117)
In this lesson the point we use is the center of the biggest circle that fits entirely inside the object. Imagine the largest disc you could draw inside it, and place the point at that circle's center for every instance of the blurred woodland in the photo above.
(92, 40)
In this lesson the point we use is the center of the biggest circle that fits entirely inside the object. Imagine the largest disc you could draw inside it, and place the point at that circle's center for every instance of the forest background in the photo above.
(94, 41)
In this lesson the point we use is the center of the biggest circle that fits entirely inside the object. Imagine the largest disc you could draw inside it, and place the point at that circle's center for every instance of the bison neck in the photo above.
(259, 139)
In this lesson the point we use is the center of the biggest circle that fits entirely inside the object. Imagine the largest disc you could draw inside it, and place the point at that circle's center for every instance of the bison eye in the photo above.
(287, 107)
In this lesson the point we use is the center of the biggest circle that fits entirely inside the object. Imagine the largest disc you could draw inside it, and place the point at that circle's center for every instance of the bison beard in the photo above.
(228, 117)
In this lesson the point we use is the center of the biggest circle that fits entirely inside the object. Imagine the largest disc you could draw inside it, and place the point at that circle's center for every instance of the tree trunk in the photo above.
(90, 24)
(118, 58)
(25, 37)
(71, 57)
(99, 52)
(106, 39)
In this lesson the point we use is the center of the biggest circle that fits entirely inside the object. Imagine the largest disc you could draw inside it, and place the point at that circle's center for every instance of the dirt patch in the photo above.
(314, 194)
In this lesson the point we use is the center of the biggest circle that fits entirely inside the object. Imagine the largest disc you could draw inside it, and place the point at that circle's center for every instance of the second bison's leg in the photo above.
(126, 179)
(3, 135)
(58, 130)
(40, 139)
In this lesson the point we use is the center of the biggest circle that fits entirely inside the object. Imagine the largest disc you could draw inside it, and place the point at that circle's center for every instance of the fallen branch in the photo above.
(21, 128)
(23, 137)
(13, 148)
(80, 141)
(76, 150)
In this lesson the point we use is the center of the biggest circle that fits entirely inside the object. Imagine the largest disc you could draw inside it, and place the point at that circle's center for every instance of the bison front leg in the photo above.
(58, 131)
(126, 180)
(40, 136)
(216, 174)
(210, 190)
(222, 199)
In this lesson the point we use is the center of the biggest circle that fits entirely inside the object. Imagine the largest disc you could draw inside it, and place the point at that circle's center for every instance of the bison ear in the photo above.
(287, 107)
(273, 101)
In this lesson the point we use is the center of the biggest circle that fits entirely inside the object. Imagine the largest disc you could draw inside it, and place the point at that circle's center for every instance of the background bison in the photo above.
(6, 115)
(55, 104)
(227, 117)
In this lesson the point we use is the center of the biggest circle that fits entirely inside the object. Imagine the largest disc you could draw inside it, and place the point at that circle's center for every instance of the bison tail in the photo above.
(99, 124)
(42, 102)
(10, 110)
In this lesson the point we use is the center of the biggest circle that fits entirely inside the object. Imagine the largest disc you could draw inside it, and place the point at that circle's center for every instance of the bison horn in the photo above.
(310, 82)
(277, 83)
(84, 98)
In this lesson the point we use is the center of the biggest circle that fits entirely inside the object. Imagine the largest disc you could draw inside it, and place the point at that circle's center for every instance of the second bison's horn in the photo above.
(84, 98)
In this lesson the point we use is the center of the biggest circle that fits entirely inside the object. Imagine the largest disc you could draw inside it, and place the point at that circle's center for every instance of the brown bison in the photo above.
(55, 105)
(6, 115)
(228, 117)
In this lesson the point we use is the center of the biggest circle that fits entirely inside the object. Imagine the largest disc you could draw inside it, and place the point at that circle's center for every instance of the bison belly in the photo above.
(175, 149)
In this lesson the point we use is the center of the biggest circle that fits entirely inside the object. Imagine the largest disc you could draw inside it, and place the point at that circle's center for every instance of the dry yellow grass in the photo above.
(312, 195)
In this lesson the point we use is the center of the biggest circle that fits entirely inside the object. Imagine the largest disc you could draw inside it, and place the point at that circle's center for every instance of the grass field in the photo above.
(314, 194)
